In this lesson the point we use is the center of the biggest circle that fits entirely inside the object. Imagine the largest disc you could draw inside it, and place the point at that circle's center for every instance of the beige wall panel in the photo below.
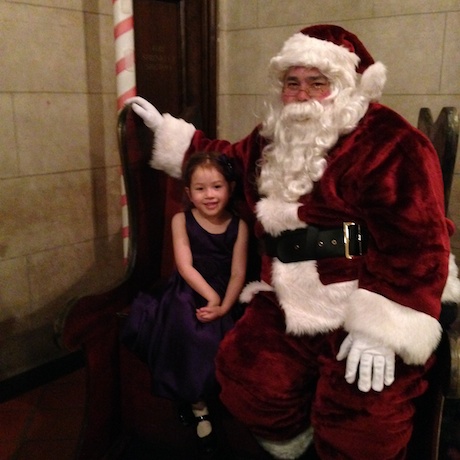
(398, 7)
(42, 49)
(451, 62)
(74, 270)
(238, 14)
(9, 166)
(302, 13)
(67, 4)
(248, 56)
(238, 115)
(14, 289)
(102, 132)
(247, 67)
(42, 212)
(409, 105)
(93, 6)
(112, 156)
(60, 185)
(100, 54)
(422, 36)
(54, 135)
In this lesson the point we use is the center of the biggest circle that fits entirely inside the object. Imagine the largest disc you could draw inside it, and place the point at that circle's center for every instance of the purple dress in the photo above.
(164, 331)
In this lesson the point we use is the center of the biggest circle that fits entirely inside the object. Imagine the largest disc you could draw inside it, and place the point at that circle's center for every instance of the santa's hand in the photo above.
(149, 114)
(376, 363)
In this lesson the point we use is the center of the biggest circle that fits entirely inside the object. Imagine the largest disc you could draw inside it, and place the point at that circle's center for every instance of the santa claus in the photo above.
(339, 332)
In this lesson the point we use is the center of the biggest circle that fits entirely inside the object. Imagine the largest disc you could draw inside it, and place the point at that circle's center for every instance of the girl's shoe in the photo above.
(185, 414)
(208, 444)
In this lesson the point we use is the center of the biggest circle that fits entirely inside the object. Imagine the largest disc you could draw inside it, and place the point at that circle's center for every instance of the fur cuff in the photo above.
(277, 215)
(252, 288)
(291, 449)
(412, 335)
(172, 140)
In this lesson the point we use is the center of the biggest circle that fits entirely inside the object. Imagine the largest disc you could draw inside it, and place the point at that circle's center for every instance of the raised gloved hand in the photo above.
(376, 362)
(149, 114)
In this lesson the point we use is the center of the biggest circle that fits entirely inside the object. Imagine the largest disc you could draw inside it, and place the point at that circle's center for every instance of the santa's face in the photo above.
(304, 84)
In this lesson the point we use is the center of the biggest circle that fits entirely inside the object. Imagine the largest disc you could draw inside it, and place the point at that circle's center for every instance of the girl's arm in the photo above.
(237, 278)
(184, 261)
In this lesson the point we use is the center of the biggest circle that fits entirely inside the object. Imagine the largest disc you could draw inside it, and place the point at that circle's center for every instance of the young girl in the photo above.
(178, 332)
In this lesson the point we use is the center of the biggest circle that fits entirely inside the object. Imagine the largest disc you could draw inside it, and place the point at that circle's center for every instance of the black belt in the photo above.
(311, 243)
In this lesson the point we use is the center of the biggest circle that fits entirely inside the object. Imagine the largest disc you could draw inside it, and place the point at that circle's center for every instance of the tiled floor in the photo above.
(44, 423)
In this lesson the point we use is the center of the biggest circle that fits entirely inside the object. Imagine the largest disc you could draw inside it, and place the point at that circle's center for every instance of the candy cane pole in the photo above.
(126, 84)
(124, 50)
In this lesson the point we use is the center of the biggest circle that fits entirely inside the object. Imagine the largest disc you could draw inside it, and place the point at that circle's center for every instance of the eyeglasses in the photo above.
(314, 89)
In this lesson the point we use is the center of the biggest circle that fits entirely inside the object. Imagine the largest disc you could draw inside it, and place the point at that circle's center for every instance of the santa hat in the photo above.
(337, 53)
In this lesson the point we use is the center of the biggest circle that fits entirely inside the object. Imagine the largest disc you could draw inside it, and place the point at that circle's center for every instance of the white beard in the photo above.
(302, 134)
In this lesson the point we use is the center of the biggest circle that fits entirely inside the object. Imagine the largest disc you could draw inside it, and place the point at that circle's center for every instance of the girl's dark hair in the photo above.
(215, 159)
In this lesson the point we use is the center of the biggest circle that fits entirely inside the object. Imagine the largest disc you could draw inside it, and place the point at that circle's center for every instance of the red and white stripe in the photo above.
(126, 84)
(124, 50)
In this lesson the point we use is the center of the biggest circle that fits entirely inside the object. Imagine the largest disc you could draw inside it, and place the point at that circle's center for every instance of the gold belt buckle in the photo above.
(346, 238)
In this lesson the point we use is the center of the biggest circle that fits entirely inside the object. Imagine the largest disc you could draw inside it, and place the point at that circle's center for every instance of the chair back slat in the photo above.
(444, 136)
(152, 198)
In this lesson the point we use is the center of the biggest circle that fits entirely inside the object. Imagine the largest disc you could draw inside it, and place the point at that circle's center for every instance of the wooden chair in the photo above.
(444, 377)
(121, 414)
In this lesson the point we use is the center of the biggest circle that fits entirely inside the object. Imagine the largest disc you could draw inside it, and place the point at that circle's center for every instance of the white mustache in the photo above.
(302, 111)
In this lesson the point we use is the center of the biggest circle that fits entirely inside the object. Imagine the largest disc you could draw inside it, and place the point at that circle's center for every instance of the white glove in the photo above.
(277, 215)
(376, 362)
(149, 114)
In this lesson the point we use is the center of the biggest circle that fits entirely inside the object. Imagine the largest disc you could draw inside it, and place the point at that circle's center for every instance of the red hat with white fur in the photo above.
(337, 53)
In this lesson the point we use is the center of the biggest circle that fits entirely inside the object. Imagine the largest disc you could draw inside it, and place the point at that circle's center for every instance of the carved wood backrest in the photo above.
(443, 134)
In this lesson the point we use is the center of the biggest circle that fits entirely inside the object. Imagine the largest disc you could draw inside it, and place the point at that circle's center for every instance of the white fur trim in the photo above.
(412, 335)
(335, 62)
(310, 307)
(252, 288)
(451, 291)
(291, 449)
(373, 80)
(277, 215)
(171, 141)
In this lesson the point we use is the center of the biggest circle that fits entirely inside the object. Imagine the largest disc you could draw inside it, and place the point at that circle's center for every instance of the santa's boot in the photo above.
(291, 449)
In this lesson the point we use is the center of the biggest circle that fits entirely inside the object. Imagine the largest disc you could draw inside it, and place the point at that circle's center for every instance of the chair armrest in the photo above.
(449, 313)
(454, 341)
(87, 317)
(450, 321)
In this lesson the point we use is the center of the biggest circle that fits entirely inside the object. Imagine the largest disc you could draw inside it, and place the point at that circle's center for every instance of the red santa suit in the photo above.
(278, 367)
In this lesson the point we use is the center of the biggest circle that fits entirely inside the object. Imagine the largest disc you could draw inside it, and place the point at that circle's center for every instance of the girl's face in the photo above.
(209, 192)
